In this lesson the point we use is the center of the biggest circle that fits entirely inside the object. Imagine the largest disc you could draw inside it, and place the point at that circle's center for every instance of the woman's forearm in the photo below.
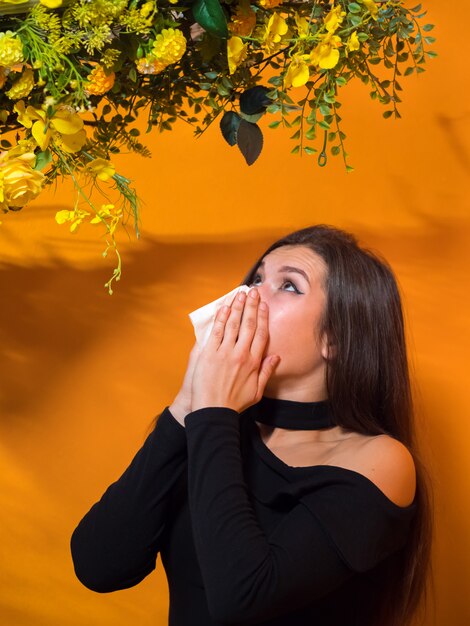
(116, 543)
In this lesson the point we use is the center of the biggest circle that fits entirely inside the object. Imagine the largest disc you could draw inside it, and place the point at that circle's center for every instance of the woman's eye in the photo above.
(288, 282)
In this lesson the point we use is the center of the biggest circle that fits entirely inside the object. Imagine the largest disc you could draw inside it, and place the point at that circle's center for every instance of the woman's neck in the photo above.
(299, 391)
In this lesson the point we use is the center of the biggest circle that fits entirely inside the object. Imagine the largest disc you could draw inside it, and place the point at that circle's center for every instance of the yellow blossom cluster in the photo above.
(19, 181)
(11, 49)
(149, 65)
(22, 87)
(99, 82)
(76, 217)
(269, 4)
(169, 46)
(325, 55)
(243, 20)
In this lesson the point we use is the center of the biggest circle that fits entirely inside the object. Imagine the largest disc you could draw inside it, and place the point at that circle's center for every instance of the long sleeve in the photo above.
(116, 543)
(248, 576)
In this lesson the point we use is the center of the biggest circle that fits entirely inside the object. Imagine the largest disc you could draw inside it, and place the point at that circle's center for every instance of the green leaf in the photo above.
(428, 27)
(355, 20)
(210, 15)
(295, 150)
(335, 150)
(310, 150)
(251, 118)
(353, 7)
(133, 74)
(43, 159)
(274, 124)
(340, 80)
(229, 125)
(324, 124)
(250, 141)
(222, 90)
(387, 114)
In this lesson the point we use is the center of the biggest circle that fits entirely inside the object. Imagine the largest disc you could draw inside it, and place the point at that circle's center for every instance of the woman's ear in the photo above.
(328, 349)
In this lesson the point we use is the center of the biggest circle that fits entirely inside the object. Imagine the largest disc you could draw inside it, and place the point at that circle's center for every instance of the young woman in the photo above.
(283, 485)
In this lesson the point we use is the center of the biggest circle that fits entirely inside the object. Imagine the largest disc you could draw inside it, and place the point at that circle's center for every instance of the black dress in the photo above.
(243, 537)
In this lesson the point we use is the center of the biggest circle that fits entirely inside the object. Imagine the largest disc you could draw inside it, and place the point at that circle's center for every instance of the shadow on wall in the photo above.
(56, 320)
(51, 314)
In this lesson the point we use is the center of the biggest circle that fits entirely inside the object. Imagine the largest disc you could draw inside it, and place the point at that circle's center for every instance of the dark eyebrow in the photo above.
(289, 268)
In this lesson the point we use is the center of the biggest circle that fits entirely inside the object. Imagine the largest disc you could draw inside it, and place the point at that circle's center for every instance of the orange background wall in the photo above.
(82, 374)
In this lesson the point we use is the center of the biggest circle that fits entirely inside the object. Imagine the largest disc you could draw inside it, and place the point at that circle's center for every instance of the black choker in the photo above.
(293, 414)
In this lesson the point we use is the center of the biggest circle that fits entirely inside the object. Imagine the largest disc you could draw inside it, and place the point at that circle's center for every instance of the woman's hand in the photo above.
(231, 371)
(181, 405)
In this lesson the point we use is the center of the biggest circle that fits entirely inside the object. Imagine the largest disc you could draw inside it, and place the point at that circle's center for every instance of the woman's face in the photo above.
(289, 280)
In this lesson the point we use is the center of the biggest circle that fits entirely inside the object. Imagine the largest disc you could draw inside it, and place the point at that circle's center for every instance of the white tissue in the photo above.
(203, 318)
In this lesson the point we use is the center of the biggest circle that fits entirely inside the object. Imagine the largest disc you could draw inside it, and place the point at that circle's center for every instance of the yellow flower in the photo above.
(76, 217)
(102, 169)
(297, 72)
(269, 4)
(274, 31)
(326, 54)
(353, 42)
(169, 46)
(149, 65)
(334, 19)
(22, 87)
(372, 7)
(11, 49)
(147, 8)
(244, 19)
(64, 127)
(302, 25)
(19, 182)
(236, 53)
(99, 82)
(51, 4)
(107, 210)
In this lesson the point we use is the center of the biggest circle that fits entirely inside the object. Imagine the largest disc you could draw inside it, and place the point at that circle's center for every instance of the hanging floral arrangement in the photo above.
(76, 75)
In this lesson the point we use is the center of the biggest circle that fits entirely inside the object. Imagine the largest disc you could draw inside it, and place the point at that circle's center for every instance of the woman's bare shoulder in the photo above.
(388, 464)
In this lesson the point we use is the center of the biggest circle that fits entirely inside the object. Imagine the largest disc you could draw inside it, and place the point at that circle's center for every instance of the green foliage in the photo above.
(62, 48)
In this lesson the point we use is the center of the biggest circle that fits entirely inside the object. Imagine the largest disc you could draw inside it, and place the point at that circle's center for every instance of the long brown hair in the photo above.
(368, 387)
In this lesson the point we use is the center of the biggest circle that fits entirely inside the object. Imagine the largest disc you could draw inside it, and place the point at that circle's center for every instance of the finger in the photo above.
(250, 320)
(267, 368)
(217, 332)
(232, 327)
(261, 337)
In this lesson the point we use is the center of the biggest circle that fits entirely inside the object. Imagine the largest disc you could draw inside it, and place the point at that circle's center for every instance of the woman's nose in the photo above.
(264, 292)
